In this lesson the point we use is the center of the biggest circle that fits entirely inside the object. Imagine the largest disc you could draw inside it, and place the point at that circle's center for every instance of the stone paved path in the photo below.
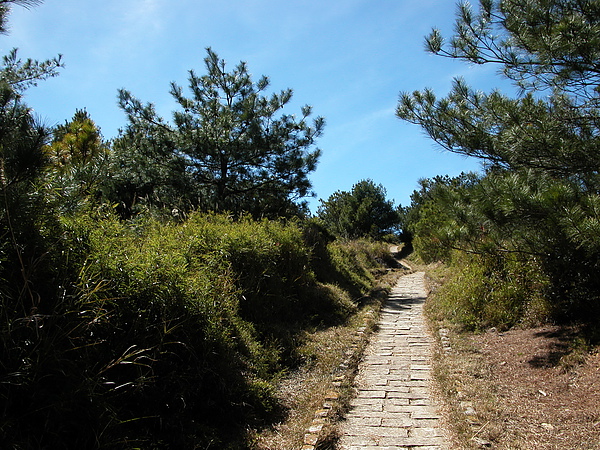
(393, 409)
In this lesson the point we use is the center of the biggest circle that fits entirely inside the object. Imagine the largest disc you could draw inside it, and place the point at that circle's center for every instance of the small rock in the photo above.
(315, 428)
(331, 395)
(482, 443)
(467, 408)
(322, 412)
(470, 411)
(547, 426)
(311, 439)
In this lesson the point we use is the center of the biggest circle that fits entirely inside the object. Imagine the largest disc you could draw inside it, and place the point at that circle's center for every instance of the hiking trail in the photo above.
(393, 408)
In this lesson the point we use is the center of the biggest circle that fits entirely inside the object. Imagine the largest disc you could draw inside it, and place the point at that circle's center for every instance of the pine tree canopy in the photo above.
(551, 50)
(362, 212)
(237, 149)
(540, 192)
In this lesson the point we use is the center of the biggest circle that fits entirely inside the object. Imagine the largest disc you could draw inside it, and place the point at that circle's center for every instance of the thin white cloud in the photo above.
(140, 20)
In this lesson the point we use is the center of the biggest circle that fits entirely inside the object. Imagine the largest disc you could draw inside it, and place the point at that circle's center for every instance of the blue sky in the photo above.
(349, 59)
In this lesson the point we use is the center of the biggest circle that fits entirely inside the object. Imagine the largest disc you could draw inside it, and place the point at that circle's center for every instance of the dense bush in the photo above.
(350, 264)
(521, 220)
(491, 291)
(167, 335)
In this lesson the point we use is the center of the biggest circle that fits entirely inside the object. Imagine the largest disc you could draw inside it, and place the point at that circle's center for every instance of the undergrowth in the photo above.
(483, 291)
(476, 293)
(161, 335)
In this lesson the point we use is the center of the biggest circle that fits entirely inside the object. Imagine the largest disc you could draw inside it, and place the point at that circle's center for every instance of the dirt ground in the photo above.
(539, 394)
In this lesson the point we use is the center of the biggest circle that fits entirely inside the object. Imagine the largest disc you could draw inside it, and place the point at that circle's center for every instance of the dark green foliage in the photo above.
(166, 335)
(5, 6)
(540, 150)
(362, 212)
(349, 264)
(24, 209)
(428, 211)
(147, 172)
(229, 148)
(136, 352)
(79, 164)
(556, 136)
(538, 219)
(541, 44)
(535, 45)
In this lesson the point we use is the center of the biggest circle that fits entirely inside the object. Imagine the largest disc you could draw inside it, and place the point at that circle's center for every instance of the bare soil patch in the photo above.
(522, 389)
(545, 402)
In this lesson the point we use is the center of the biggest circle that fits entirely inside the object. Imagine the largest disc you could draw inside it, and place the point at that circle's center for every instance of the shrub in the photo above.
(349, 264)
(493, 291)
(163, 335)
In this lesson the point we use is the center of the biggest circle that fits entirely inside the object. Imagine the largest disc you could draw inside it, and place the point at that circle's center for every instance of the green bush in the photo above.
(164, 335)
(350, 264)
(492, 291)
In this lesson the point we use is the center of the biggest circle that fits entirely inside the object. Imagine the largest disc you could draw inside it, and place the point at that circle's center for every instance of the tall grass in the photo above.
(493, 291)
(168, 335)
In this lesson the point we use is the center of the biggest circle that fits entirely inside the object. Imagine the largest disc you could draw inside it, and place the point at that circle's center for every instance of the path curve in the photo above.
(393, 408)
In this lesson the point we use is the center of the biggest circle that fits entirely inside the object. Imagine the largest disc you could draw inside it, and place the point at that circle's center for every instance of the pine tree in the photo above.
(230, 141)
(550, 50)
(541, 150)
(78, 159)
(362, 212)
(22, 162)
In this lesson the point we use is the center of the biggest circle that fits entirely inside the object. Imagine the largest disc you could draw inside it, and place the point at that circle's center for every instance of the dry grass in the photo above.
(302, 392)
(520, 390)
(470, 399)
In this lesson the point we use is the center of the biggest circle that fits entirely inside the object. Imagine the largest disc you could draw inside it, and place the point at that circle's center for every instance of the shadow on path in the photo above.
(393, 408)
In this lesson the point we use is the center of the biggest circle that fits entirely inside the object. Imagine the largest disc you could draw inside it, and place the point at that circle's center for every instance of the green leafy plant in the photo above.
(540, 152)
